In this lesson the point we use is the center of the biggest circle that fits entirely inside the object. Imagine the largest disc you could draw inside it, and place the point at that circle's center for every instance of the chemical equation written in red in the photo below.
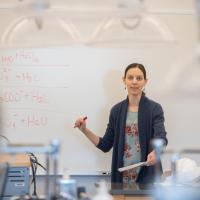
(7, 76)
(27, 121)
(21, 56)
(17, 96)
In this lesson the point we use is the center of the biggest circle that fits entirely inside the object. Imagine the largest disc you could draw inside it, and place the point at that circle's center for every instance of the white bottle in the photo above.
(68, 188)
(102, 192)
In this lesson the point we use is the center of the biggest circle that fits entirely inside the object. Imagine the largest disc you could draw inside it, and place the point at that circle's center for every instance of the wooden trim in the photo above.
(18, 160)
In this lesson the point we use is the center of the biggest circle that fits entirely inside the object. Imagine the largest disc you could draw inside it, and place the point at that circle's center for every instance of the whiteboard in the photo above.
(44, 90)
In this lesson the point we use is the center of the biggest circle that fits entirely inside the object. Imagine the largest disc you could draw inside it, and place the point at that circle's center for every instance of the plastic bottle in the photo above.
(68, 188)
(102, 192)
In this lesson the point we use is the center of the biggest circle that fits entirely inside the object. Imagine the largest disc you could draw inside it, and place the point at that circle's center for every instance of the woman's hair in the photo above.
(136, 65)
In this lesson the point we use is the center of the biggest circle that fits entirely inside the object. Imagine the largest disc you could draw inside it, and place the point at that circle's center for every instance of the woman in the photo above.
(133, 123)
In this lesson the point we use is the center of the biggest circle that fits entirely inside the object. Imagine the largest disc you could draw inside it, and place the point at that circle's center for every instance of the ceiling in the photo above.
(152, 5)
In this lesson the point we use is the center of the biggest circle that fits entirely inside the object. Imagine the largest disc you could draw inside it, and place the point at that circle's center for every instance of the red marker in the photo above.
(84, 118)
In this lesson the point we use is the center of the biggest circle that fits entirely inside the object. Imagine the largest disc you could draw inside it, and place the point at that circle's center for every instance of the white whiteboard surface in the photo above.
(43, 91)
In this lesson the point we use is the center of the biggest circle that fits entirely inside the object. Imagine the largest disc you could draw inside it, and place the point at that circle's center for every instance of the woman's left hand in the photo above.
(151, 158)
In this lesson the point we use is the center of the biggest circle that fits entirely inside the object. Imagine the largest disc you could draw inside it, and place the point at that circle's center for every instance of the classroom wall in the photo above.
(45, 88)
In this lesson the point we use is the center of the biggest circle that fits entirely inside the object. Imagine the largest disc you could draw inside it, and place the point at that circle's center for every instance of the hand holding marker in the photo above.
(85, 118)
(75, 126)
(80, 123)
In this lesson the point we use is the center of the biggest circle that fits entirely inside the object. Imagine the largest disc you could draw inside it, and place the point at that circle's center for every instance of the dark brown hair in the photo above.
(136, 65)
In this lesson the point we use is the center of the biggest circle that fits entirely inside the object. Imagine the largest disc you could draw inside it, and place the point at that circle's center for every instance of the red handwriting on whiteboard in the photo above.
(9, 96)
(10, 124)
(34, 121)
(27, 77)
(27, 121)
(4, 74)
(22, 56)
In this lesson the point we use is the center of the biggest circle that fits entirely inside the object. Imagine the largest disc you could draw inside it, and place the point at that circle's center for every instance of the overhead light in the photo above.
(131, 24)
(128, 23)
(38, 27)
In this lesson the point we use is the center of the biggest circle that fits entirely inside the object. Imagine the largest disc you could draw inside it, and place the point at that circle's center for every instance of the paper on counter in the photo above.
(133, 166)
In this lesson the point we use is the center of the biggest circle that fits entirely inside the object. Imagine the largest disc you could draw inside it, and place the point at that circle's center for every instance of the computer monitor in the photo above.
(3, 177)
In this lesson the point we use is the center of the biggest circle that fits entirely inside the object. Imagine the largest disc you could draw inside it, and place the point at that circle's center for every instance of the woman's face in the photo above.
(134, 81)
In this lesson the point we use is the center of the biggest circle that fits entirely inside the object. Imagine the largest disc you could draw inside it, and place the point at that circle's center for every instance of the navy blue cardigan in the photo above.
(150, 125)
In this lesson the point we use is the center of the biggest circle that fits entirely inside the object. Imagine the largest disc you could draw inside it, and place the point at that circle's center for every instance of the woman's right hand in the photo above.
(80, 123)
